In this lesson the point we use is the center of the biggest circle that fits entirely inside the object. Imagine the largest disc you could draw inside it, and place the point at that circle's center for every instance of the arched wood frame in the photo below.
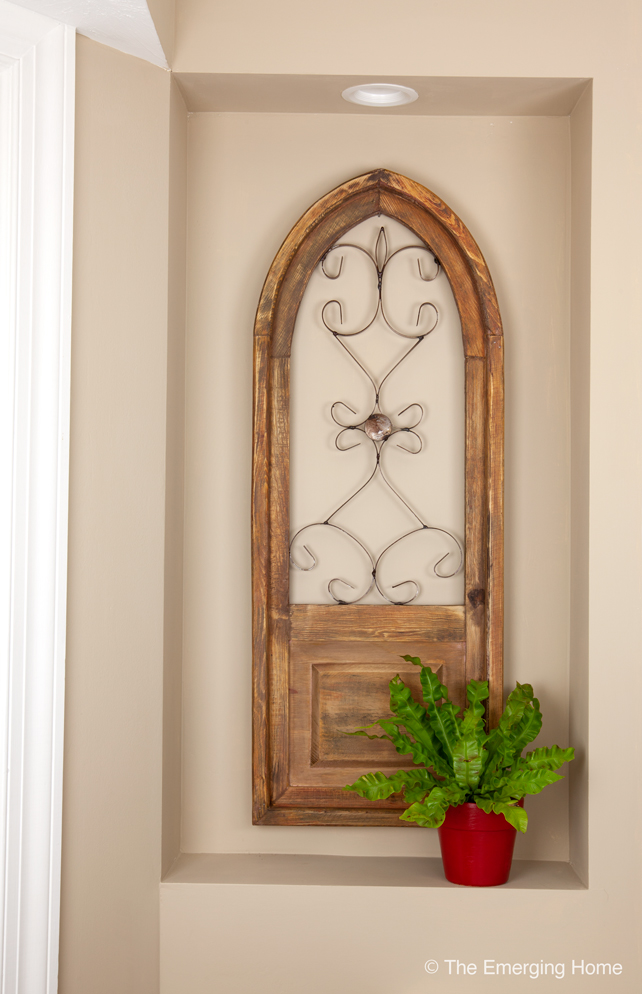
(276, 801)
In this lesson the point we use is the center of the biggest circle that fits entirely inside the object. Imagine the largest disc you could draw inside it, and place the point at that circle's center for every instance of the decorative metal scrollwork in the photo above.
(378, 428)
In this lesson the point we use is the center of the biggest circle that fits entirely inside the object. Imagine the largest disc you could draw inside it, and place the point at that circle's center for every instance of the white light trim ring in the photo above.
(380, 94)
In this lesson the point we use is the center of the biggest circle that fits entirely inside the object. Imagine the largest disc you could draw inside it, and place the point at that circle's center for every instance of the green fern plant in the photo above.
(456, 759)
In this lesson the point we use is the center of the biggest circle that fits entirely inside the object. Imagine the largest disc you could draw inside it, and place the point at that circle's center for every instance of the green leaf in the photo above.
(516, 702)
(417, 783)
(528, 728)
(417, 791)
(523, 781)
(468, 761)
(431, 812)
(529, 774)
(415, 720)
(518, 725)
(442, 718)
(404, 745)
(513, 814)
(377, 786)
(432, 687)
(493, 783)
(413, 659)
(548, 759)
(477, 693)
(469, 755)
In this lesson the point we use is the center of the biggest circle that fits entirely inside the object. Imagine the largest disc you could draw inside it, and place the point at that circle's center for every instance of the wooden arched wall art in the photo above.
(291, 785)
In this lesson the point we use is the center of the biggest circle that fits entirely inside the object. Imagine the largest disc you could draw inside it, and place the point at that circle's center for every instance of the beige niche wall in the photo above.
(125, 522)
(251, 176)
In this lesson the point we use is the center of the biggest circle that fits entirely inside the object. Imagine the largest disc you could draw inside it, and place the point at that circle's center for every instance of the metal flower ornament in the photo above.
(379, 428)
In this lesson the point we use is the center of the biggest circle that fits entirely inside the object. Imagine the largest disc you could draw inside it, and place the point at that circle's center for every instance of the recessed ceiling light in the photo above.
(380, 94)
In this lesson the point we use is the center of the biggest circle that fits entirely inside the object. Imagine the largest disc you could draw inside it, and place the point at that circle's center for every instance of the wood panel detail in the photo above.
(376, 623)
(337, 687)
(320, 670)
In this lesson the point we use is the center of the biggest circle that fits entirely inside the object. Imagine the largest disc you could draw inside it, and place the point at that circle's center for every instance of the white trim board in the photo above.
(37, 65)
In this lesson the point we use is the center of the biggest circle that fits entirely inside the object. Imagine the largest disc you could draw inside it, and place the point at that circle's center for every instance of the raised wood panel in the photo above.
(343, 697)
(317, 667)
(337, 687)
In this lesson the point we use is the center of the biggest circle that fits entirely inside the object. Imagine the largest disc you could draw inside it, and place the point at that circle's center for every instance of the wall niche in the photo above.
(512, 179)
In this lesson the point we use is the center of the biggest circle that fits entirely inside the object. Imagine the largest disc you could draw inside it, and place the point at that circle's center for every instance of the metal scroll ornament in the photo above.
(379, 427)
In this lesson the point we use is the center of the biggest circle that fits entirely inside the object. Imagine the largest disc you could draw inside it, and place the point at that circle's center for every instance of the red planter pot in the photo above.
(476, 848)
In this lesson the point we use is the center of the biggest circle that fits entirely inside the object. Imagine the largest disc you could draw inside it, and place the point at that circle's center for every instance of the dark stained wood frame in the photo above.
(481, 619)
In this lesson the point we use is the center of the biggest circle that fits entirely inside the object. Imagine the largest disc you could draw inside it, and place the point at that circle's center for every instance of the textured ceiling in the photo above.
(123, 24)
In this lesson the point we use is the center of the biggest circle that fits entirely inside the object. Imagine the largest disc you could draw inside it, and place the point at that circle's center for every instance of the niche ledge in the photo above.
(353, 871)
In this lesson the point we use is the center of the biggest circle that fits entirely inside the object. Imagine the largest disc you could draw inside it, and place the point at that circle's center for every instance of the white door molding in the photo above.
(37, 64)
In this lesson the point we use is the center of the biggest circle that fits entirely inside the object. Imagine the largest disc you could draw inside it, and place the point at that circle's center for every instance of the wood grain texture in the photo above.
(495, 607)
(307, 257)
(369, 817)
(331, 203)
(432, 204)
(279, 571)
(476, 580)
(377, 623)
(337, 687)
(260, 577)
(453, 261)
(316, 629)
(320, 797)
